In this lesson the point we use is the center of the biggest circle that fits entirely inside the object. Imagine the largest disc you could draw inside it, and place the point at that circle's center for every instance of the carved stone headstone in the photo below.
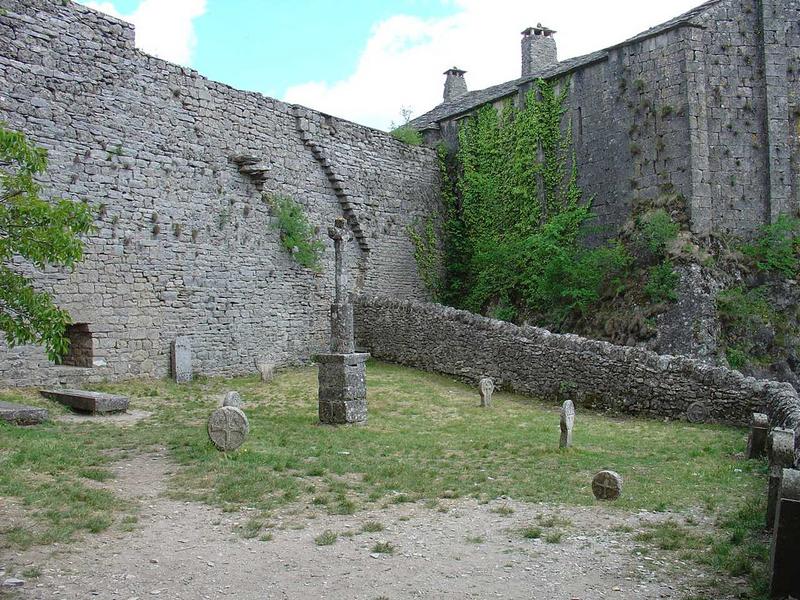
(232, 399)
(227, 428)
(607, 485)
(182, 359)
(486, 387)
(567, 424)
(697, 412)
(785, 547)
(757, 440)
(342, 372)
(780, 449)
(266, 370)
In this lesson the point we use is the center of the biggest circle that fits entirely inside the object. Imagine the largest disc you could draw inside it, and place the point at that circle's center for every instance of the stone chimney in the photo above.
(455, 84)
(538, 50)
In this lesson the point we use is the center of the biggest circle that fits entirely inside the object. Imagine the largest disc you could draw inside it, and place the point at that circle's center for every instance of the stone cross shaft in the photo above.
(341, 309)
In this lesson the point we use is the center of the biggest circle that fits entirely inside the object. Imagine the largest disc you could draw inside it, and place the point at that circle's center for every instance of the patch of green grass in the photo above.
(383, 548)
(503, 510)
(554, 537)
(251, 528)
(266, 537)
(552, 521)
(32, 572)
(326, 538)
(372, 527)
(475, 539)
(532, 532)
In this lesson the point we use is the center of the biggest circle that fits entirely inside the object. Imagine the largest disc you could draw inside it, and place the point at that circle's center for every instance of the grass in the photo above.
(326, 538)
(426, 440)
(372, 527)
(532, 532)
(383, 548)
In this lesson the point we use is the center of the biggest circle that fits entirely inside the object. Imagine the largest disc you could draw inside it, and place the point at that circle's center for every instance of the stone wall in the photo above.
(593, 374)
(707, 108)
(185, 242)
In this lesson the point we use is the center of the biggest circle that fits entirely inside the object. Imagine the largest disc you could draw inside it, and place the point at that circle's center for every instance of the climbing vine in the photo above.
(515, 216)
(427, 255)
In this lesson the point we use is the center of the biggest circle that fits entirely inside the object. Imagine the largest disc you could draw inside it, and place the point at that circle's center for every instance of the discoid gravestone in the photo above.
(697, 413)
(567, 424)
(607, 485)
(227, 428)
(486, 387)
(232, 399)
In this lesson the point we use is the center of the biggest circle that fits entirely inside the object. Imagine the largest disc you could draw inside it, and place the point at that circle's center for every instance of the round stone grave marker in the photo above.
(232, 399)
(697, 412)
(228, 428)
(607, 485)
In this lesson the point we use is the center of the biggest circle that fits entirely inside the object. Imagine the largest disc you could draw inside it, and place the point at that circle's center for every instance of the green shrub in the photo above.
(407, 134)
(297, 235)
(777, 247)
(656, 230)
(427, 255)
(661, 283)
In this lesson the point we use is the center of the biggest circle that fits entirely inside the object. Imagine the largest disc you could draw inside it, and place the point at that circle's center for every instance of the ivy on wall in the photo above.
(516, 217)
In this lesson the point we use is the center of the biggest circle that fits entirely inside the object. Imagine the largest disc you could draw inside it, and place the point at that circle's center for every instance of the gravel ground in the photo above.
(461, 550)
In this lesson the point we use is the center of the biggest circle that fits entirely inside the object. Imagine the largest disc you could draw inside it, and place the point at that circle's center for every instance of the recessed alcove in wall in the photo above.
(81, 347)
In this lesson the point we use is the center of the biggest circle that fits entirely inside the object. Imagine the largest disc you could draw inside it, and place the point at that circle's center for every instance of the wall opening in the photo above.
(81, 347)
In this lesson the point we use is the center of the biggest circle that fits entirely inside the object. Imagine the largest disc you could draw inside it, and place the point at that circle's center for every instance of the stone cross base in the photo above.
(342, 388)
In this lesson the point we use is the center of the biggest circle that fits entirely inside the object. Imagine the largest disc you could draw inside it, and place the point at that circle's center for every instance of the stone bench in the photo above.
(91, 402)
(19, 414)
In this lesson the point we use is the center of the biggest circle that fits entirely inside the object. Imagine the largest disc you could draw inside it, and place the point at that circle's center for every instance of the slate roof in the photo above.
(471, 100)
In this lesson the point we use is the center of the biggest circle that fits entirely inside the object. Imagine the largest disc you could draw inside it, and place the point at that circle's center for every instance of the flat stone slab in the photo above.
(91, 402)
(19, 414)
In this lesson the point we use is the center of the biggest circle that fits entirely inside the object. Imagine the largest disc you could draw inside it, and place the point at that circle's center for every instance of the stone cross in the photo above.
(342, 309)
(567, 424)
(607, 485)
(486, 387)
(227, 428)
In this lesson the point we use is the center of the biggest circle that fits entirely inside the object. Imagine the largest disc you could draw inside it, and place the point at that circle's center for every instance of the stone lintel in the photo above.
(19, 414)
(91, 402)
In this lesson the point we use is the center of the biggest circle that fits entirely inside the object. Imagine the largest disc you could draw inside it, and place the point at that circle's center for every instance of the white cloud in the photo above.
(403, 60)
(164, 28)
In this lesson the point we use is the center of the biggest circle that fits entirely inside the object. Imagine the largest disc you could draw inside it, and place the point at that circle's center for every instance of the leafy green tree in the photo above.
(34, 232)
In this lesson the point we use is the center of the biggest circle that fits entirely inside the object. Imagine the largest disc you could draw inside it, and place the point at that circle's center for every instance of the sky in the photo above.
(371, 61)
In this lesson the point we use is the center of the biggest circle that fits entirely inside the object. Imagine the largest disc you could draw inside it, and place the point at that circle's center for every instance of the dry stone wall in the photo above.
(185, 243)
(591, 373)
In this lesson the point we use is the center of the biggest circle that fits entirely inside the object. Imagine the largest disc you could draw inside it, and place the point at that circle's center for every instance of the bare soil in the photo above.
(462, 549)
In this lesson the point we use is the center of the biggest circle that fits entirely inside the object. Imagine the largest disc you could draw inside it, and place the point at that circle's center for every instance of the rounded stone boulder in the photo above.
(228, 428)
(607, 485)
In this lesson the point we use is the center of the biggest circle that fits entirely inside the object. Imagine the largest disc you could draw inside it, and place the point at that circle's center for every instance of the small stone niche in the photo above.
(81, 347)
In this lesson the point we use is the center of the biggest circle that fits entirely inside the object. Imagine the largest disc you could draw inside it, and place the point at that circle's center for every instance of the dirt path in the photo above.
(191, 551)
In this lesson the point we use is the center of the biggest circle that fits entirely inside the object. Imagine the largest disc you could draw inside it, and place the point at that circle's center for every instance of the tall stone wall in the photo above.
(595, 374)
(185, 242)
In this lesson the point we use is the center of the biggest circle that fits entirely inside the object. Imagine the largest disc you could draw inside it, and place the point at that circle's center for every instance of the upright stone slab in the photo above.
(232, 399)
(780, 448)
(342, 372)
(486, 387)
(182, 359)
(757, 440)
(785, 548)
(567, 424)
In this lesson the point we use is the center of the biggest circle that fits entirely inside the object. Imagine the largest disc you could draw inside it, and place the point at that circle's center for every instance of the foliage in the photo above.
(661, 282)
(297, 235)
(33, 232)
(743, 313)
(656, 230)
(777, 248)
(515, 219)
(407, 134)
(427, 255)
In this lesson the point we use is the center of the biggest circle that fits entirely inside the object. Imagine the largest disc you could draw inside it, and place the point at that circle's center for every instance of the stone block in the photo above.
(90, 402)
(19, 414)
(181, 365)
(757, 440)
(785, 547)
(342, 388)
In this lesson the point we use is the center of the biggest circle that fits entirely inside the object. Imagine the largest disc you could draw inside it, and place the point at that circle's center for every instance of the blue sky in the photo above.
(371, 60)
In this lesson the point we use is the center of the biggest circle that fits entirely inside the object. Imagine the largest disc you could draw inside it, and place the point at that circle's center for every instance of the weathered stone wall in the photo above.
(594, 374)
(185, 243)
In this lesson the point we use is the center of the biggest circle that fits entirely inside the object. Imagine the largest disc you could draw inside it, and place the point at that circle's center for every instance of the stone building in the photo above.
(705, 105)
(178, 168)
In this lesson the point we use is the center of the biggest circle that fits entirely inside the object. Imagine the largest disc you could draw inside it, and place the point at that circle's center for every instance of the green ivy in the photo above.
(427, 255)
(297, 235)
(661, 283)
(515, 218)
(777, 247)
